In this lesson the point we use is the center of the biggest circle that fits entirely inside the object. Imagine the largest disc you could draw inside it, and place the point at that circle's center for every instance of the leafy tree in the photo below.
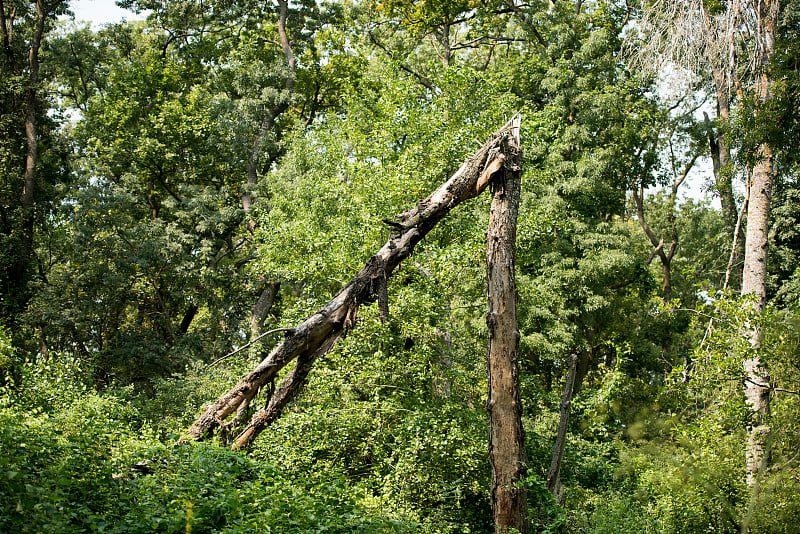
(31, 159)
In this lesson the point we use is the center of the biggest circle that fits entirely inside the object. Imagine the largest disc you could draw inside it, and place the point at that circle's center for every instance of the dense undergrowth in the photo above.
(345, 458)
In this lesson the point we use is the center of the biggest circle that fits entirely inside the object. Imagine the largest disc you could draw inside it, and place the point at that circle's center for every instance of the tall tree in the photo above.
(754, 279)
(712, 38)
(699, 36)
(23, 27)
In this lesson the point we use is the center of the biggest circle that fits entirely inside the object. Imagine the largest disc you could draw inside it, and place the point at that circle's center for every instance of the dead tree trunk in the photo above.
(554, 473)
(319, 332)
(506, 435)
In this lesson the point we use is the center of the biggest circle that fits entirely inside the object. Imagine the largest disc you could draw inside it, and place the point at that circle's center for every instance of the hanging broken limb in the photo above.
(317, 334)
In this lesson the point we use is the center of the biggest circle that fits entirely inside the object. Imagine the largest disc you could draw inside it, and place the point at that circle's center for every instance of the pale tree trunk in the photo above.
(554, 473)
(506, 435)
(754, 276)
(317, 334)
(756, 387)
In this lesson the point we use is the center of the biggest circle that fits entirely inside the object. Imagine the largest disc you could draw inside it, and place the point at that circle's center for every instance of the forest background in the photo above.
(175, 187)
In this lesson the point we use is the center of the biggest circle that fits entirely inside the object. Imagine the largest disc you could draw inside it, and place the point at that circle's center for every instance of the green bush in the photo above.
(75, 460)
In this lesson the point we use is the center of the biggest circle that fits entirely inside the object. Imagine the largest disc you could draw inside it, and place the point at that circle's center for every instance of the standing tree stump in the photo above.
(506, 435)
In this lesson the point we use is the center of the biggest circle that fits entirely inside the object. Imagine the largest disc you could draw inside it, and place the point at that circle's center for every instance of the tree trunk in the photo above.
(506, 435)
(258, 314)
(446, 53)
(720, 152)
(754, 276)
(5, 33)
(259, 139)
(756, 387)
(188, 317)
(316, 334)
(32, 141)
(554, 473)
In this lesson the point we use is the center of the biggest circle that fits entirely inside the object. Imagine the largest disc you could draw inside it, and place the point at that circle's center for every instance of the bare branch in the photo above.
(246, 345)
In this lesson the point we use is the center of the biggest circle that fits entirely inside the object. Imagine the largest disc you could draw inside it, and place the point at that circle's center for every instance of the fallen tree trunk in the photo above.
(506, 435)
(319, 332)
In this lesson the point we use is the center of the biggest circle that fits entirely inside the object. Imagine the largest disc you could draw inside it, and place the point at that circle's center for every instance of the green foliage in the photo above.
(546, 516)
(146, 269)
(8, 361)
(209, 489)
(613, 512)
(685, 463)
(73, 460)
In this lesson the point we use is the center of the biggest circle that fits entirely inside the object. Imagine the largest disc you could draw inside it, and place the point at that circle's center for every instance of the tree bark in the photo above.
(756, 387)
(506, 435)
(554, 473)
(258, 314)
(316, 334)
(754, 276)
(445, 39)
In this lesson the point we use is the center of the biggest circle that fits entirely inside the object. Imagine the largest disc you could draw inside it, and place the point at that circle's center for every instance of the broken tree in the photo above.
(317, 334)
(506, 435)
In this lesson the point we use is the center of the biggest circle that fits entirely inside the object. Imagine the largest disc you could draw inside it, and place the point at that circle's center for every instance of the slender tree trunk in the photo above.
(721, 154)
(582, 368)
(31, 137)
(756, 387)
(754, 277)
(260, 138)
(506, 435)
(316, 334)
(724, 85)
(188, 317)
(658, 245)
(554, 473)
